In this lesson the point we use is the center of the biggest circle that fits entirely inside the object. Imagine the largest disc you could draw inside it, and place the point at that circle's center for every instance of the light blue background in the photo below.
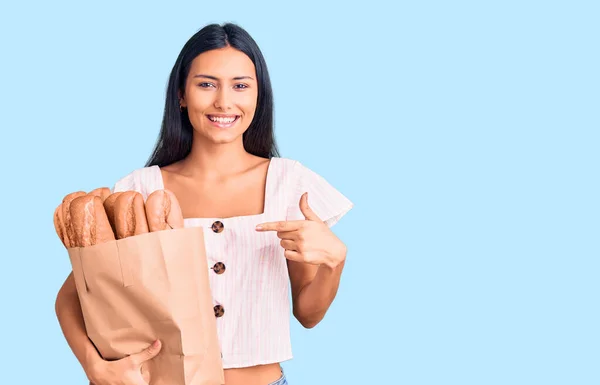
(466, 134)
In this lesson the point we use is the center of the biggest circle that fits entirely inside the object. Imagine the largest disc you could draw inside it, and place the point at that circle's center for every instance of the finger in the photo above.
(301, 256)
(145, 373)
(289, 245)
(308, 213)
(293, 255)
(139, 380)
(147, 354)
(280, 226)
(291, 235)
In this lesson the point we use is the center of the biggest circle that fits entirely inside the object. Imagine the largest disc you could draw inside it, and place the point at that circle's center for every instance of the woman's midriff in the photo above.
(253, 375)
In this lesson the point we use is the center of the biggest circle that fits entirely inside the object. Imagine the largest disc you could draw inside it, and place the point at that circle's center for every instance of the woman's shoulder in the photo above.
(142, 180)
(296, 172)
(287, 171)
(324, 199)
(287, 164)
(294, 168)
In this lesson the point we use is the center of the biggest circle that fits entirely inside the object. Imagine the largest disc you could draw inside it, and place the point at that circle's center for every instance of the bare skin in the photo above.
(127, 371)
(220, 179)
(204, 196)
(315, 264)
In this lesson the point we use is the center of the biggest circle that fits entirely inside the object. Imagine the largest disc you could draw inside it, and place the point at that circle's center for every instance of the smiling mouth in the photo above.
(223, 119)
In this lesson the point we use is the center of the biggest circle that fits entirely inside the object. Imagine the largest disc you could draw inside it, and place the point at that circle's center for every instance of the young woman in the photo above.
(267, 219)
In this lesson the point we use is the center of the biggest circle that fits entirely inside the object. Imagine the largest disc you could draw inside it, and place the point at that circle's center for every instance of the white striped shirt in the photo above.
(254, 289)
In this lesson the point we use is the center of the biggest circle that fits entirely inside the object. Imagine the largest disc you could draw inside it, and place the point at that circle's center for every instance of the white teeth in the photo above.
(221, 120)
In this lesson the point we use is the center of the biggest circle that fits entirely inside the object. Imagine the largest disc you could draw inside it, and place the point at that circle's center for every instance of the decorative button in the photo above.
(219, 268)
(219, 311)
(217, 226)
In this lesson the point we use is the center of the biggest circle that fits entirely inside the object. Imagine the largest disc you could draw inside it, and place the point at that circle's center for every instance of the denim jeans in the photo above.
(281, 381)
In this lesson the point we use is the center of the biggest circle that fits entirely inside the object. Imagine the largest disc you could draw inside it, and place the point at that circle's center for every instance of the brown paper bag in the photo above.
(152, 286)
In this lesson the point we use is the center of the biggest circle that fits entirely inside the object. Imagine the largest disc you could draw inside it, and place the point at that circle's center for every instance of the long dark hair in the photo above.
(175, 138)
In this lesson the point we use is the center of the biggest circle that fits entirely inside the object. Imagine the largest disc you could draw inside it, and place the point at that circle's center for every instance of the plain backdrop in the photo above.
(465, 132)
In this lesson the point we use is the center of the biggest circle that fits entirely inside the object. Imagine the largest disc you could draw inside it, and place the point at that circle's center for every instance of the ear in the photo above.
(181, 97)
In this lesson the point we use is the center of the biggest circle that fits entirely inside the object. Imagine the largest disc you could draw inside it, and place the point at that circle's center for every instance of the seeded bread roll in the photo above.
(102, 192)
(109, 207)
(59, 224)
(130, 215)
(89, 221)
(163, 211)
(66, 207)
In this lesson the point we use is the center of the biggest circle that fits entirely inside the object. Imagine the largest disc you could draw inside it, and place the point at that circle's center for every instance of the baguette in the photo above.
(66, 216)
(163, 211)
(109, 207)
(130, 215)
(89, 221)
(102, 192)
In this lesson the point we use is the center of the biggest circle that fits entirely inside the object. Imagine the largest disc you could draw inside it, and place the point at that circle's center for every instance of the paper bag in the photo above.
(152, 286)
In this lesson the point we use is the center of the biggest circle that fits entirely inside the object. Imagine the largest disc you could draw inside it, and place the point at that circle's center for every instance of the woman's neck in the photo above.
(211, 160)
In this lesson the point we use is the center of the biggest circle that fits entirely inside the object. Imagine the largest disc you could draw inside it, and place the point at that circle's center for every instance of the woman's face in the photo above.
(221, 93)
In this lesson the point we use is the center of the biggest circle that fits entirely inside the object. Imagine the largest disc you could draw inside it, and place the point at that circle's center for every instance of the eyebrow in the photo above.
(215, 78)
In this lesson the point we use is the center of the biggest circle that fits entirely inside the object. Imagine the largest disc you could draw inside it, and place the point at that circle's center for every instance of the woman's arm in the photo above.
(313, 290)
(315, 258)
(70, 318)
(127, 370)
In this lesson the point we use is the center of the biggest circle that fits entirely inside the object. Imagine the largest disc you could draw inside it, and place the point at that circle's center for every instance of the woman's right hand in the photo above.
(126, 371)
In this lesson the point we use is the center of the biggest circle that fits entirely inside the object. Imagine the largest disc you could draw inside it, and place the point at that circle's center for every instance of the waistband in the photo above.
(281, 381)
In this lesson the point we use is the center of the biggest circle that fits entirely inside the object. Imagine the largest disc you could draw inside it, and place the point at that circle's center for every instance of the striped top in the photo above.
(248, 271)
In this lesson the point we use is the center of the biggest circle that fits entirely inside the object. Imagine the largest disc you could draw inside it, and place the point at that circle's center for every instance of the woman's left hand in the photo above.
(310, 240)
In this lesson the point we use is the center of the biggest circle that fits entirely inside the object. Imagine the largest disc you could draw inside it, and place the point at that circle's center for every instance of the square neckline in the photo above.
(161, 186)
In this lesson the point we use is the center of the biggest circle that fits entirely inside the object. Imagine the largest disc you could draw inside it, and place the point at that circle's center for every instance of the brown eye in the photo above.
(241, 86)
(206, 85)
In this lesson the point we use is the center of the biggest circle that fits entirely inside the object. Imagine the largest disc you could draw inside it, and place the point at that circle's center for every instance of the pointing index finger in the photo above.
(279, 226)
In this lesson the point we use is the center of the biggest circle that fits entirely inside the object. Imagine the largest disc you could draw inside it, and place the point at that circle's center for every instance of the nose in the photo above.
(223, 99)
